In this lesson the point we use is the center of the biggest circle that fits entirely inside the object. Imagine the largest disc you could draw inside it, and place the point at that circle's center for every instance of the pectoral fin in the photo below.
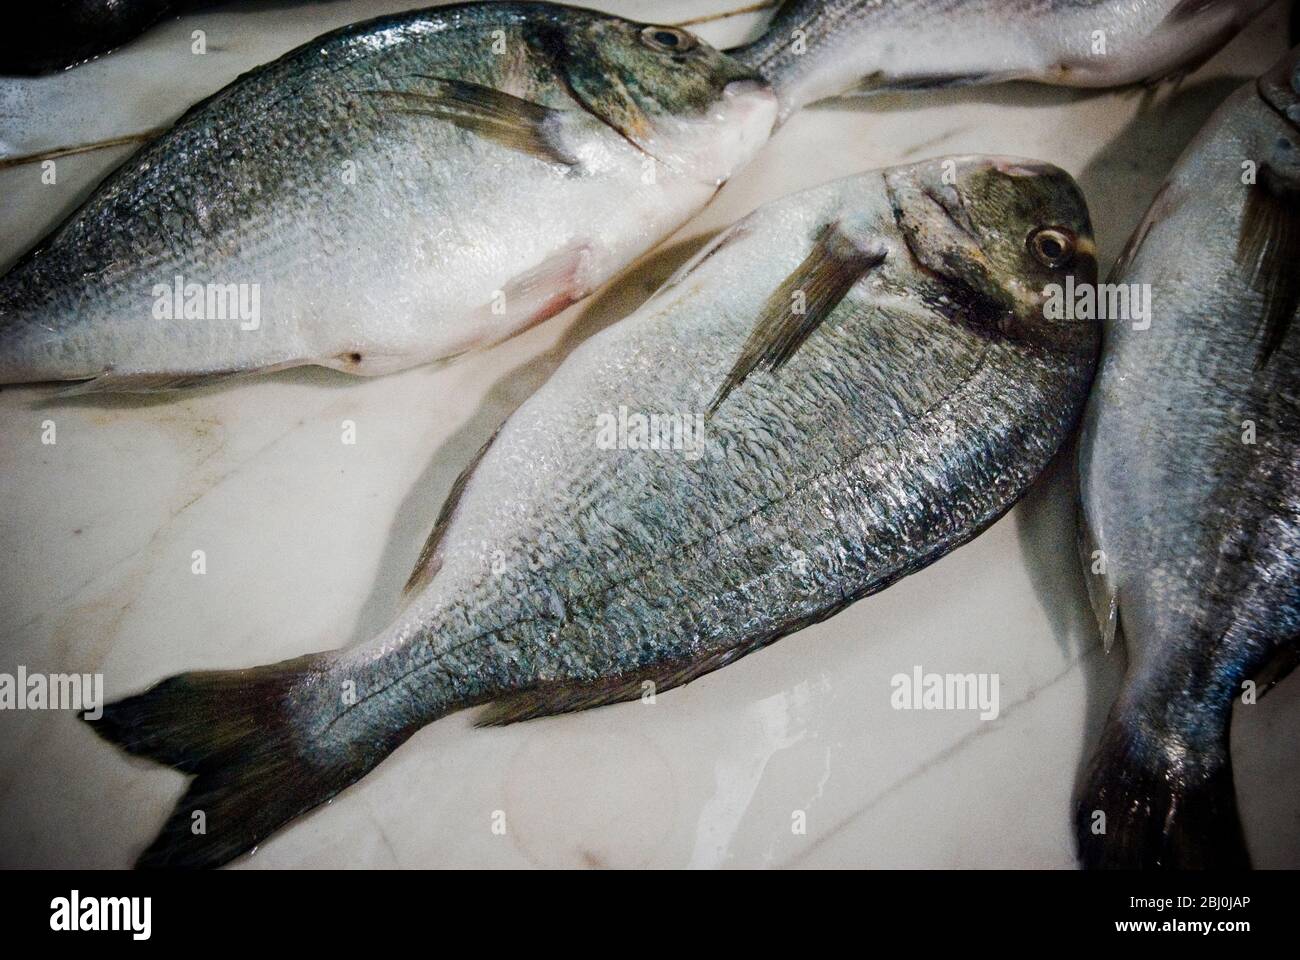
(725, 238)
(505, 119)
(799, 305)
(1162, 204)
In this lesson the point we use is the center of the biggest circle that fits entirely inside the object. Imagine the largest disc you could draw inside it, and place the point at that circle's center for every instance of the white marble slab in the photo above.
(308, 542)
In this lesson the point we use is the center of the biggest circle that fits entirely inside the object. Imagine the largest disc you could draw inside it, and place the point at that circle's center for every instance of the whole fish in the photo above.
(816, 49)
(395, 192)
(1190, 482)
(843, 387)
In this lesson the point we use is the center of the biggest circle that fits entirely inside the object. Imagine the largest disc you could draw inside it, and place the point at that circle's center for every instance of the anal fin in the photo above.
(549, 699)
(429, 562)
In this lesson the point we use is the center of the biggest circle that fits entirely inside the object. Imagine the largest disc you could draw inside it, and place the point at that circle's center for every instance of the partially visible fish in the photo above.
(816, 49)
(1190, 483)
(836, 392)
(395, 192)
(57, 34)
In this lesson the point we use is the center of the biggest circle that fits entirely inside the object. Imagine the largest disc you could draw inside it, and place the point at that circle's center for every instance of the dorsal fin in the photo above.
(799, 305)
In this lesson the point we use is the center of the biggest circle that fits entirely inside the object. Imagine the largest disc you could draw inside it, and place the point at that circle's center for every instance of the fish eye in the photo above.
(668, 39)
(1052, 246)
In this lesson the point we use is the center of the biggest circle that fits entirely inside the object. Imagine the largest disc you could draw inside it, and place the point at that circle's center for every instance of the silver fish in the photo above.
(837, 391)
(816, 49)
(395, 192)
(1189, 476)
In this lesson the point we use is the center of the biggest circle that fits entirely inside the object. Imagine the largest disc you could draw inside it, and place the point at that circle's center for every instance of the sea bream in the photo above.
(395, 192)
(1189, 475)
(814, 49)
(841, 388)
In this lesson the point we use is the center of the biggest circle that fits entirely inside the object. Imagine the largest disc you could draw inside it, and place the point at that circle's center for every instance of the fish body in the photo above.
(395, 192)
(816, 49)
(854, 381)
(1189, 477)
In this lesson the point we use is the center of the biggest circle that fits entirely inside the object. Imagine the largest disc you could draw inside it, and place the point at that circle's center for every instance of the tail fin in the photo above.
(1148, 804)
(258, 744)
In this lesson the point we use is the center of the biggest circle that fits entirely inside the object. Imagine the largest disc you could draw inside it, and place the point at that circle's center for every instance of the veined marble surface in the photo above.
(308, 542)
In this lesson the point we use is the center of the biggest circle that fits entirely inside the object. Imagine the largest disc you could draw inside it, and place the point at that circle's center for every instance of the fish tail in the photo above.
(264, 746)
(1154, 802)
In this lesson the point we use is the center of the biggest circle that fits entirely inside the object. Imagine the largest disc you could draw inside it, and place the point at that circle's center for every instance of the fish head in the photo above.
(999, 237)
(680, 101)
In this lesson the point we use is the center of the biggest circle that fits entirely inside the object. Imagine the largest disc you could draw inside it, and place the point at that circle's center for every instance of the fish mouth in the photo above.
(749, 84)
(729, 134)
(750, 96)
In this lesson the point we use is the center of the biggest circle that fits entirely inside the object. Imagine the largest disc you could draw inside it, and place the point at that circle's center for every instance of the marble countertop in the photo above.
(308, 542)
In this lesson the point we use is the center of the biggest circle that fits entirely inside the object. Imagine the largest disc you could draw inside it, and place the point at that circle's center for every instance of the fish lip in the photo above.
(733, 130)
(756, 89)
(749, 84)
